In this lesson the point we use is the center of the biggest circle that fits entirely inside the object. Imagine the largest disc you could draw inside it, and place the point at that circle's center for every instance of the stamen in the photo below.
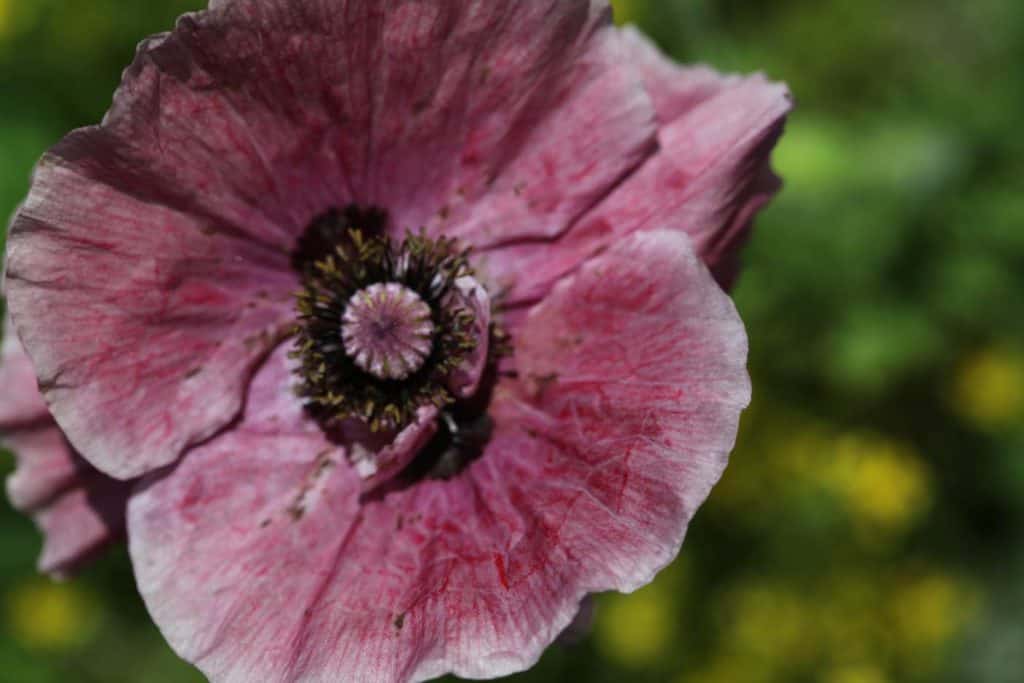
(384, 328)
(387, 330)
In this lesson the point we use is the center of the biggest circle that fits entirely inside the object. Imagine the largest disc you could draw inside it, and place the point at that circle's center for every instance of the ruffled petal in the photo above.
(46, 466)
(257, 515)
(79, 510)
(149, 267)
(635, 379)
(143, 326)
(710, 176)
(545, 156)
(675, 89)
(20, 401)
(443, 113)
(259, 560)
(490, 121)
(378, 458)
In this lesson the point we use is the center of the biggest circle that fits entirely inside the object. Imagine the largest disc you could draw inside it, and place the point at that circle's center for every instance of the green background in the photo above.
(869, 528)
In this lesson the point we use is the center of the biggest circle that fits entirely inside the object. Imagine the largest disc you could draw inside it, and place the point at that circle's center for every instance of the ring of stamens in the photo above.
(387, 330)
(381, 327)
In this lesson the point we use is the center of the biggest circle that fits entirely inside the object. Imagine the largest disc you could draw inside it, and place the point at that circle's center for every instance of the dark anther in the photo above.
(330, 228)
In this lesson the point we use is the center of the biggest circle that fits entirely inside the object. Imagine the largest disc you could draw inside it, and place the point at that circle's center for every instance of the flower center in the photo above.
(387, 330)
(395, 347)
(385, 327)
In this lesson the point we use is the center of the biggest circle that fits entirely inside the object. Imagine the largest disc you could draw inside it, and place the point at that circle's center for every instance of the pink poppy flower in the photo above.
(510, 377)
(79, 510)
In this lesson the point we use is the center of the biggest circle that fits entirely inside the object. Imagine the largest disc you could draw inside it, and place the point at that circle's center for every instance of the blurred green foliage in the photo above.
(869, 529)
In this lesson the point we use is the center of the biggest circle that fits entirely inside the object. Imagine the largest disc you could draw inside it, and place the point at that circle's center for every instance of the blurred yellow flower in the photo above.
(847, 627)
(46, 615)
(928, 611)
(884, 484)
(638, 629)
(856, 674)
(727, 669)
(879, 485)
(988, 389)
(770, 624)
(778, 454)
(845, 614)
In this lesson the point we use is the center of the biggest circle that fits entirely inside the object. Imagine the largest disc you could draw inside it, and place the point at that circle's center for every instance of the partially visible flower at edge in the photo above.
(79, 510)
(570, 184)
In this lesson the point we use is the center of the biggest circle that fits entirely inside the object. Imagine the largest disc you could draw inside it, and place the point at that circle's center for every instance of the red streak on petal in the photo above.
(499, 564)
